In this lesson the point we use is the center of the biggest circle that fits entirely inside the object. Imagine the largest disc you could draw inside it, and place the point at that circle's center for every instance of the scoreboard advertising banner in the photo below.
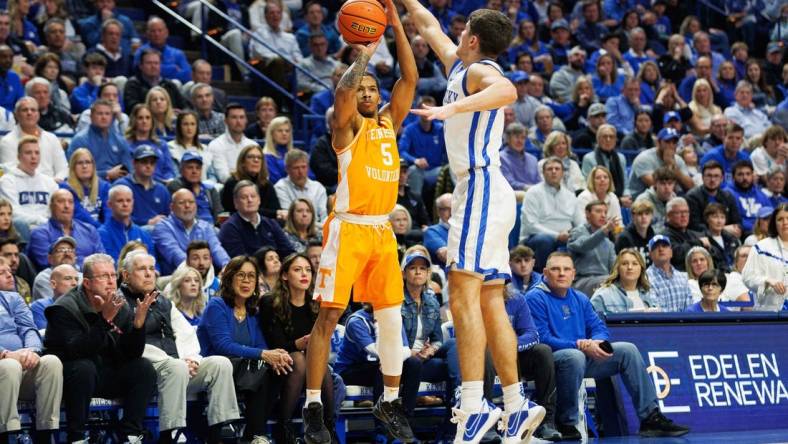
(714, 377)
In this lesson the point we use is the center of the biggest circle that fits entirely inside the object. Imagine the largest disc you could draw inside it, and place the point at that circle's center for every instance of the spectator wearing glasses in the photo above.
(100, 359)
(62, 252)
(711, 283)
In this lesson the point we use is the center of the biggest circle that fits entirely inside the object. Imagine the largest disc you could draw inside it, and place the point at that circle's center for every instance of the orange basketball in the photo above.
(361, 21)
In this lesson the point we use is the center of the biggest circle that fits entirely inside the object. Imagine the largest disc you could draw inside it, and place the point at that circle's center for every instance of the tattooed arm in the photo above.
(346, 116)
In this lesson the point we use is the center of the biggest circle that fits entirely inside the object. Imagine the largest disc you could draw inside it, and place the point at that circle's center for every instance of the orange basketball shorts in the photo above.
(362, 257)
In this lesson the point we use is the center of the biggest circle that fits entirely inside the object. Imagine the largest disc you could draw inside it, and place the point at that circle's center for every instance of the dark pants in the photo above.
(258, 404)
(443, 366)
(536, 364)
(134, 381)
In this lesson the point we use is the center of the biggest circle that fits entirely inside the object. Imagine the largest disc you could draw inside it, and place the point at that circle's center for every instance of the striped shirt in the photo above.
(671, 290)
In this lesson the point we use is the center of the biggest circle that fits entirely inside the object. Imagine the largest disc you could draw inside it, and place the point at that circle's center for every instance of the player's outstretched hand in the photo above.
(392, 15)
(435, 112)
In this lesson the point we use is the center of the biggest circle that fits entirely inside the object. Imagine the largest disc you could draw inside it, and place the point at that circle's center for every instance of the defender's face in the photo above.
(368, 97)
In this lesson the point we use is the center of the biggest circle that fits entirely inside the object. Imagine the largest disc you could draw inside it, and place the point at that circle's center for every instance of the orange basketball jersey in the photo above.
(369, 170)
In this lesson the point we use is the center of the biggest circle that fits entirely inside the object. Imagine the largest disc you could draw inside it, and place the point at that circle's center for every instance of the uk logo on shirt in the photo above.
(33, 197)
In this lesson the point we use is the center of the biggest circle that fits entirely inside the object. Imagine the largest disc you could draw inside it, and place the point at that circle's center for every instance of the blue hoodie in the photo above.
(108, 151)
(360, 333)
(522, 322)
(561, 321)
(114, 235)
(17, 329)
(749, 203)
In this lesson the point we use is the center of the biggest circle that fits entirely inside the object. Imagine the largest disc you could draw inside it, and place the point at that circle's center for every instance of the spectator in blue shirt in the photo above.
(110, 151)
(436, 237)
(314, 17)
(729, 152)
(151, 199)
(524, 278)
(621, 109)
(10, 86)
(423, 146)
(62, 223)
(606, 80)
(174, 64)
(91, 27)
(566, 321)
(749, 197)
(590, 31)
(711, 283)
(118, 228)
(208, 203)
(518, 167)
(64, 277)
(23, 369)
(95, 66)
(173, 234)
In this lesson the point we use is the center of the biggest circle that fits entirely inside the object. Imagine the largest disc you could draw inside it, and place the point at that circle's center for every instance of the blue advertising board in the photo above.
(713, 377)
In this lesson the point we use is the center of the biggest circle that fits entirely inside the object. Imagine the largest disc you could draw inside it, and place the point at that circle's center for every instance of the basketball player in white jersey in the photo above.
(483, 214)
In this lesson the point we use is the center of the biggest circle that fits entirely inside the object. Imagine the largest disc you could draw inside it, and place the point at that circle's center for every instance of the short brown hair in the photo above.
(494, 30)
(713, 208)
(642, 206)
(664, 174)
(521, 252)
(26, 140)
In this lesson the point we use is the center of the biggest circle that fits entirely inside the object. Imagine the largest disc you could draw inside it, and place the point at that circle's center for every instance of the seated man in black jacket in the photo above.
(677, 230)
(99, 359)
(323, 161)
(247, 230)
(711, 190)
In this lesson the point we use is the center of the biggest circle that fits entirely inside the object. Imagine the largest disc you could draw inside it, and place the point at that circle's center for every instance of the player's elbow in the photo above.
(509, 91)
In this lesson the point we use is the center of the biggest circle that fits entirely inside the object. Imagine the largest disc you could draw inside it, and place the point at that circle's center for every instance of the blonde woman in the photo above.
(142, 131)
(627, 289)
(703, 107)
(401, 223)
(90, 192)
(559, 144)
(7, 228)
(278, 142)
(600, 187)
(160, 104)
(185, 292)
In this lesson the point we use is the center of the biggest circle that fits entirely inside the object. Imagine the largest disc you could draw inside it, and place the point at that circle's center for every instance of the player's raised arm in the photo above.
(489, 90)
(405, 87)
(431, 30)
(346, 93)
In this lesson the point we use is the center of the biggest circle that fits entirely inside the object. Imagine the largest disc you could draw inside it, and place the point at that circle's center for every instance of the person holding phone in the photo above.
(566, 321)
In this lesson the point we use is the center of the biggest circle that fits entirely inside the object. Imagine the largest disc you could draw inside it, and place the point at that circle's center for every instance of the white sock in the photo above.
(390, 393)
(513, 397)
(471, 396)
(312, 396)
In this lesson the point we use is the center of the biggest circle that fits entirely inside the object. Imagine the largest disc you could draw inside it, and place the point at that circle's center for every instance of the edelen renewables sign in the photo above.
(715, 377)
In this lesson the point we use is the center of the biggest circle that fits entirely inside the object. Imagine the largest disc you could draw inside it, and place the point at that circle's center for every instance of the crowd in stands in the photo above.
(156, 236)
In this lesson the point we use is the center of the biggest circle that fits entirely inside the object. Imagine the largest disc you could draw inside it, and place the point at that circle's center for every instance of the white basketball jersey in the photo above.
(472, 138)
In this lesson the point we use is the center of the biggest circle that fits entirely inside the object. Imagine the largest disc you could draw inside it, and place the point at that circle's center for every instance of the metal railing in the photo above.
(299, 108)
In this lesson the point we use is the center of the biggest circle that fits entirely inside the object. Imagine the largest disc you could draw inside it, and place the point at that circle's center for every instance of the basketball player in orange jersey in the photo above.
(359, 247)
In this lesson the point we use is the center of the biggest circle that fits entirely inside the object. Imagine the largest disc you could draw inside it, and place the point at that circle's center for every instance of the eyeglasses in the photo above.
(64, 250)
(246, 276)
(253, 157)
(84, 162)
(104, 277)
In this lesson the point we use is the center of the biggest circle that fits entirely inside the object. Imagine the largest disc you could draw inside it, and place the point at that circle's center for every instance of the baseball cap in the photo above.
(660, 238)
(596, 109)
(668, 134)
(773, 47)
(145, 151)
(518, 76)
(189, 156)
(414, 255)
(60, 240)
(670, 115)
(765, 212)
(558, 24)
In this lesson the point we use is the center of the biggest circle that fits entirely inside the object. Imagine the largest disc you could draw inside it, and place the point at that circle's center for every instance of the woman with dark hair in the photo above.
(763, 94)
(287, 315)
(187, 138)
(269, 264)
(711, 283)
(627, 289)
(766, 270)
(229, 327)
(50, 67)
(300, 226)
(141, 132)
(642, 137)
(251, 166)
